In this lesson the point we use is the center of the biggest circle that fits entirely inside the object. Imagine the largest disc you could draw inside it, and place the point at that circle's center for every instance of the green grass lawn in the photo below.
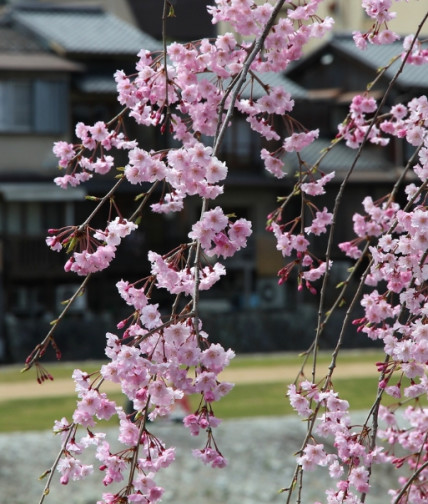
(269, 399)
(324, 358)
(37, 414)
(60, 370)
(245, 400)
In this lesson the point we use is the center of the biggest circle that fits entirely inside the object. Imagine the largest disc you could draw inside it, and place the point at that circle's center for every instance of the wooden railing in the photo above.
(30, 258)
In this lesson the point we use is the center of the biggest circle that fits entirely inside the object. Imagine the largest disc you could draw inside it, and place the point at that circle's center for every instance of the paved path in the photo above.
(272, 374)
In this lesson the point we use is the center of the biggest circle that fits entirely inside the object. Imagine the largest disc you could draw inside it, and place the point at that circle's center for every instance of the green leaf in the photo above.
(71, 245)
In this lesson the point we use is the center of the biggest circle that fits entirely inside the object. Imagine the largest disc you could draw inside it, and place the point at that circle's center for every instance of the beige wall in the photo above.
(409, 15)
(119, 8)
(28, 154)
(349, 15)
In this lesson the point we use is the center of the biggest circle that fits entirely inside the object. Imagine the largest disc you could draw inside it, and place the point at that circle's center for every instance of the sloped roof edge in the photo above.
(373, 57)
(82, 30)
(37, 62)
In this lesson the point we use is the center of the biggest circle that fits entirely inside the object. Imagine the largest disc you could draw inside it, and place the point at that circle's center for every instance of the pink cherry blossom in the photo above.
(298, 141)
(187, 93)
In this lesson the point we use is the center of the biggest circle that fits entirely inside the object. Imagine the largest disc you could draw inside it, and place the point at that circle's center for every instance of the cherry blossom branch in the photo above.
(410, 482)
(153, 356)
(143, 203)
(165, 62)
(196, 264)
(40, 349)
(134, 461)
(257, 47)
(339, 195)
(353, 302)
(101, 202)
(50, 472)
(236, 84)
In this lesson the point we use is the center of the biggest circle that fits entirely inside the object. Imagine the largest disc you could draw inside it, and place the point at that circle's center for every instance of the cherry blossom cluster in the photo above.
(182, 280)
(96, 248)
(156, 87)
(395, 309)
(97, 139)
(152, 362)
(187, 171)
(379, 217)
(414, 51)
(405, 121)
(352, 458)
(172, 96)
(153, 372)
(150, 94)
(293, 241)
(285, 41)
(395, 313)
(408, 439)
(160, 357)
(296, 142)
(355, 127)
(218, 236)
(288, 242)
(379, 33)
(149, 97)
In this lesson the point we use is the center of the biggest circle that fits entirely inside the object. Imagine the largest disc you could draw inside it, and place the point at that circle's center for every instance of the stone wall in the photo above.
(260, 463)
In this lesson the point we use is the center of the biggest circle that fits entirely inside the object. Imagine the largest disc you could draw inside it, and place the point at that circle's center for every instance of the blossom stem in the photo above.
(71, 433)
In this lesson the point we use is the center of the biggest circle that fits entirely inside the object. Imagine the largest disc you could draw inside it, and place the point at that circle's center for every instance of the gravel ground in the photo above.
(260, 463)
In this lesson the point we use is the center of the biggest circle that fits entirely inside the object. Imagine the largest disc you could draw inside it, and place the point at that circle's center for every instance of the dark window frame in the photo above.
(36, 105)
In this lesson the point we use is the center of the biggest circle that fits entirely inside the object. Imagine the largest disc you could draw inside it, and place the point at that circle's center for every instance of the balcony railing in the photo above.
(30, 258)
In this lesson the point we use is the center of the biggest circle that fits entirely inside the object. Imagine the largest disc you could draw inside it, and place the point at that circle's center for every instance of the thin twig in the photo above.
(71, 432)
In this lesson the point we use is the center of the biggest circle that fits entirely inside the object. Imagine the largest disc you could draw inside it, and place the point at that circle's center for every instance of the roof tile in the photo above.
(84, 30)
(377, 56)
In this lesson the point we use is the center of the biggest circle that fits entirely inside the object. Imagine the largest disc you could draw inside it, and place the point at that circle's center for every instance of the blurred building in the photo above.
(56, 68)
(188, 20)
(57, 61)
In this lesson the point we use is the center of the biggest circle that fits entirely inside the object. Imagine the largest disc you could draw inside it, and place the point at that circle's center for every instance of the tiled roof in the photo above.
(377, 56)
(371, 166)
(277, 79)
(13, 41)
(21, 51)
(83, 30)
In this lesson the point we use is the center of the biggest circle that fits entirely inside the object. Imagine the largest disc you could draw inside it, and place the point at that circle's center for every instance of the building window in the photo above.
(241, 147)
(34, 218)
(33, 106)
